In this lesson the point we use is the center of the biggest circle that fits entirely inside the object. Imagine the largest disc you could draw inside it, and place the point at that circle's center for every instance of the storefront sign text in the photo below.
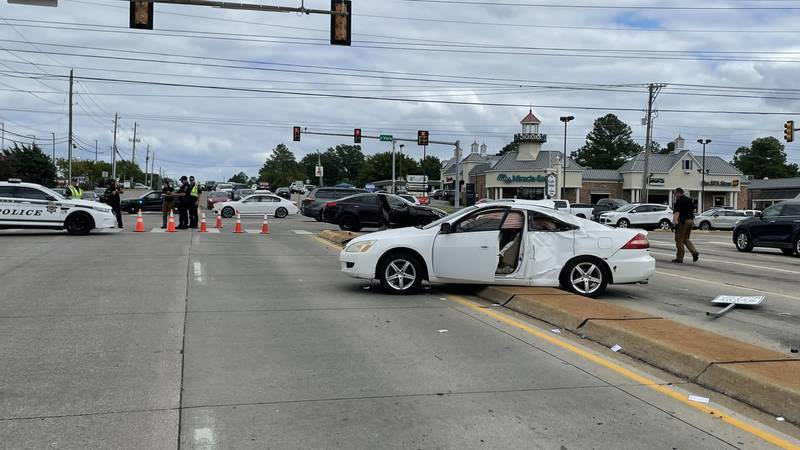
(732, 183)
(503, 178)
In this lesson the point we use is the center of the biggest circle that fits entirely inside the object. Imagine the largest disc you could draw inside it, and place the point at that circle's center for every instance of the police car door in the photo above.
(34, 207)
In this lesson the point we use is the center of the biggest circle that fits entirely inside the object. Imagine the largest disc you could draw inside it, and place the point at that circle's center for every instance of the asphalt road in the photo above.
(217, 341)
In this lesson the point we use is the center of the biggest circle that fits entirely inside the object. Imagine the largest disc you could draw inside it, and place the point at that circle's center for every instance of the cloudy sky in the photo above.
(477, 65)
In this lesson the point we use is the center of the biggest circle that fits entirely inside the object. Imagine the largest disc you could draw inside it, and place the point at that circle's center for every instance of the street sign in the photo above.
(551, 185)
(318, 171)
(732, 301)
(387, 138)
(104, 174)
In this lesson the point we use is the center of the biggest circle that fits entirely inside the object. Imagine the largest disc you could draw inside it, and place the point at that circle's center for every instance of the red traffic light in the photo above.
(422, 137)
(357, 135)
(296, 134)
(141, 15)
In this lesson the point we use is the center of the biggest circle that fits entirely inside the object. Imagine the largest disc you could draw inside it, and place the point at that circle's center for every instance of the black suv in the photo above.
(312, 205)
(778, 227)
(363, 210)
(151, 201)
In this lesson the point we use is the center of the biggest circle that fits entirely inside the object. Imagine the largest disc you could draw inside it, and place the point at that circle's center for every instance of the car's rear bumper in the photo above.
(631, 266)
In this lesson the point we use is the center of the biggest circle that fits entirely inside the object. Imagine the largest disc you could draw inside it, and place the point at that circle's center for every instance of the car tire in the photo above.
(400, 273)
(705, 226)
(228, 212)
(797, 246)
(281, 212)
(585, 276)
(79, 224)
(318, 217)
(349, 222)
(665, 225)
(743, 242)
(623, 223)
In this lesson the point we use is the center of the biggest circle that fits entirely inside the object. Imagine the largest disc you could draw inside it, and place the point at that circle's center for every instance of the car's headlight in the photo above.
(104, 209)
(359, 247)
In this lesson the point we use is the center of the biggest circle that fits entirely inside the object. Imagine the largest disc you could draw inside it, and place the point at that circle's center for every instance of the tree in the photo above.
(379, 167)
(656, 149)
(240, 178)
(27, 163)
(432, 167)
(510, 147)
(608, 145)
(281, 168)
(764, 158)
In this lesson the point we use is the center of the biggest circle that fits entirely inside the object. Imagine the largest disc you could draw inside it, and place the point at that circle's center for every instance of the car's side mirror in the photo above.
(445, 228)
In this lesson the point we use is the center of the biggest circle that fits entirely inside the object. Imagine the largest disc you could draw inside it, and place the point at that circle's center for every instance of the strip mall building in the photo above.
(523, 174)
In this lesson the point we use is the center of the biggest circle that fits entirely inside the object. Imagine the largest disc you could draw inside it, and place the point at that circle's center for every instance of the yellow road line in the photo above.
(329, 245)
(652, 384)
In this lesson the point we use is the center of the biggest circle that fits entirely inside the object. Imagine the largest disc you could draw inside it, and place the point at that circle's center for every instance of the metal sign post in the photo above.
(731, 301)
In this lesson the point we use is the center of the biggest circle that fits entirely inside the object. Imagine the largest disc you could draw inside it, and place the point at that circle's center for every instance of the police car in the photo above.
(28, 205)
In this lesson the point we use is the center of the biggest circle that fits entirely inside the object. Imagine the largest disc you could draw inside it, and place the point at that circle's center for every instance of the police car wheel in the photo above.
(79, 224)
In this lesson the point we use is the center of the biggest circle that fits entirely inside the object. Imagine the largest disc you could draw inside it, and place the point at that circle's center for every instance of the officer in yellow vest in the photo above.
(194, 197)
(73, 190)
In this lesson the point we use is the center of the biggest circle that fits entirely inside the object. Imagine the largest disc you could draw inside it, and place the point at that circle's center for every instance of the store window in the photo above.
(530, 193)
(719, 200)
(687, 164)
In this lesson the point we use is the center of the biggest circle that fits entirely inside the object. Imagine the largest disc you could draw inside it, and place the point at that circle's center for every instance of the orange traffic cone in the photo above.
(203, 228)
(139, 223)
(219, 220)
(265, 225)
(171, 223)
(238, 228)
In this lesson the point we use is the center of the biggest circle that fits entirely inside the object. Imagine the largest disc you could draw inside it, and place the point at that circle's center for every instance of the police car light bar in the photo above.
(14, 180)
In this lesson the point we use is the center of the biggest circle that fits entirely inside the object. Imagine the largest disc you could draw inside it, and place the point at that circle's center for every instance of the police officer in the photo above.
(183, 204)
(167, 202)
(194, 197)
(112, 199)
(73, 190)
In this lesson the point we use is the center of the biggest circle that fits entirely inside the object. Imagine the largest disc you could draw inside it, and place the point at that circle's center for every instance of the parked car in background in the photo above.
(437, 194)
(224, 187)
(216, 197)
(752, 212)
(239, 194)
(312, 204)
(364, 210)
(719, 219)
(606, 204)
(309, 187)
(149, 201)
(503, 243)
(297, 187)
(777, 227)
(209, 186)
(139, 186)
(410, 198)
(283, 192)
(257, 205)
(639, 215)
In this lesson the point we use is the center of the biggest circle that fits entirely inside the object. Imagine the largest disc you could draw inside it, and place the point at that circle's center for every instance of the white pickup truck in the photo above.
(578, 210)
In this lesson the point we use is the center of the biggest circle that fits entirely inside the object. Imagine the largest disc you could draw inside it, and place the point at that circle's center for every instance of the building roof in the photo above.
(480, 168)
(530, 118)
(660, 163)
(474, 157)
(545, 160)
(601, 175)
(776, 183)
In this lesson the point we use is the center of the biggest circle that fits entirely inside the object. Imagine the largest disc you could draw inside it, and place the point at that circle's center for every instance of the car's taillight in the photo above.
(330, 204)
(308, 200)
(639, 242)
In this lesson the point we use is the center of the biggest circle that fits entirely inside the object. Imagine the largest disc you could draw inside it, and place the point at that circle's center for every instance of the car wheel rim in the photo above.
(742, 240)
(705, 226)
(586, 278)
(280, 213)
(623, 224)
(665, 225)
(400, 274)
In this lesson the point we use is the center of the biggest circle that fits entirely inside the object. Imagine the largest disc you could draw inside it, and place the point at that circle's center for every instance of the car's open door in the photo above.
(468, 252)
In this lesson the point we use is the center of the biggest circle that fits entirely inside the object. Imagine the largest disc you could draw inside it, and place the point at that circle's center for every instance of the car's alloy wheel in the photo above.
(401, 274)
(623, 223)
(705, 226)
(78, 224)
(665, 225)
(280, 213)
(228, 212)
(743, 242)
(586, 278)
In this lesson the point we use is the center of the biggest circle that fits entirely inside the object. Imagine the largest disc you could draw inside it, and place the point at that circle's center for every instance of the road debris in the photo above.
(698, 399)
(616, 348)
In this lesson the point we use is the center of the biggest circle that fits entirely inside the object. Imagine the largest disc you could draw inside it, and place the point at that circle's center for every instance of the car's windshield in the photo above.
(53, 193)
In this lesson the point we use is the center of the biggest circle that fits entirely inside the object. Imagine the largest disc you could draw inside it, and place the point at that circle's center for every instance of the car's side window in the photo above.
(154, 195)
(791, 210)
(395, 202)
(639, 209)
(30, 193)
(542, 222)
(659, 208)
(7, 191)
(772, 211)
(482, 221)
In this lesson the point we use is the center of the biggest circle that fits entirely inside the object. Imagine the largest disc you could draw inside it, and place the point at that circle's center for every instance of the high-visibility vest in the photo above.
(195, 190)
(75, 192)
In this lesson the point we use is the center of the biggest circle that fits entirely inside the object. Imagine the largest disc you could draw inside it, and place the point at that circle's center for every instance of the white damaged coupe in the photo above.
(520, 243)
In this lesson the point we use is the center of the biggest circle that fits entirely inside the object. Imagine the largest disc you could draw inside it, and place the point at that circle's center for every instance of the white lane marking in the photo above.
(198, 272)
(727, 285)
(302, 232)
(769, 269)
(158, 230)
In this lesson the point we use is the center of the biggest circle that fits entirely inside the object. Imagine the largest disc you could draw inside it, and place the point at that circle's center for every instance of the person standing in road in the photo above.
(194, 197)
(183, 204)
(112, 199)
(683, 219)
(73, 191)
(167, 202)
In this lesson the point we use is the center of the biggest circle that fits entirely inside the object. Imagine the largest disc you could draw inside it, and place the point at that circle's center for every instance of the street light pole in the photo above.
(401, 160)
(702, 203)
(393, 174)
(566, 120)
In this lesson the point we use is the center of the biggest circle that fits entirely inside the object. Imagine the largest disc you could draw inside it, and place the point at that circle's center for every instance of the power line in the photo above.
(584, 6)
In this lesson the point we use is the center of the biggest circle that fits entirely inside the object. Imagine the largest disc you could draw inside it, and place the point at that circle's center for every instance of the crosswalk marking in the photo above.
(303, 232)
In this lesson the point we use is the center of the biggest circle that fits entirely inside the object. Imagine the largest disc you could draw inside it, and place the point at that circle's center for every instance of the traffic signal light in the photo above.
(422, 137)
(141, 15)
(357, 135)
(296, 134)
(341, 24)
(788, 131)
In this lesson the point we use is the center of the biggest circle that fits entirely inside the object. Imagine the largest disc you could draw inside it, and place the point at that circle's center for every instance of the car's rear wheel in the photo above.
(585, 276)
(401, 273)
(228, 212)
(281, 212)
(349, 222)
(705, 226)
(79, 224)
(623, 223)
(665, 225)
(742, 240)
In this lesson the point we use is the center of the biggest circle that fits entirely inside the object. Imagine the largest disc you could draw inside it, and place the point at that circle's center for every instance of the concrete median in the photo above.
(757, 376)
(338, 237)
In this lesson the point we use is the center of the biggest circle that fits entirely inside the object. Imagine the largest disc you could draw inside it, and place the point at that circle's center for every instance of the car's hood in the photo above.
(83, 203)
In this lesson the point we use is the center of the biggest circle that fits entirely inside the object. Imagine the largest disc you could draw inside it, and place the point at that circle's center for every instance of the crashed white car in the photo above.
(504, 243)
(33, 206)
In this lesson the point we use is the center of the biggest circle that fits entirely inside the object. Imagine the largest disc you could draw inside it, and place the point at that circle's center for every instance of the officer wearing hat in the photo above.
(183, 204)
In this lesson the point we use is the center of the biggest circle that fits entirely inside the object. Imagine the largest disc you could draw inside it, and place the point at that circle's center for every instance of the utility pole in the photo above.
(114, 151)
(3, 134)
(457, 201)
(134, 140)
(394, 191)
(566, 120)
(146, 166)
(701, 206)
(153, 171)
(69, 140)
(54, 151)
(653, 90)
(95, 151)
(319, 163)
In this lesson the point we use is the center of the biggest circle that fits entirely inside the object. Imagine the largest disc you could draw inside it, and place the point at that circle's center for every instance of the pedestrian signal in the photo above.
(422, 137)
(788, 131)
(296, 134)
(357, 135)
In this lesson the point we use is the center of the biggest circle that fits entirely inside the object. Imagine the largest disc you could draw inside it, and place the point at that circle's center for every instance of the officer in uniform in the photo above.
(194, 197)
(73, 190)
(183, 204)
(112, 199)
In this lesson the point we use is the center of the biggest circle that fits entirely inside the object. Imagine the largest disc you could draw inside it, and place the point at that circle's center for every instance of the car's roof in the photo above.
(22, 184)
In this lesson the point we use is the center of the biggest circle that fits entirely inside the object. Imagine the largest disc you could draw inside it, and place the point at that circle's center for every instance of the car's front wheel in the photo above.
(401, 273)
(585, 276)
(665, 225)
(705, 226)
(79, 224)
(280, 213)
(623, 223)
(742, 240)
(228, 212)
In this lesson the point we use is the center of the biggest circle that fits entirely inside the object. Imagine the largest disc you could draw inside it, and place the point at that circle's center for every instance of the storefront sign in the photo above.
(658, 181)
(551, 185)
(503, 178)
(732, 183)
